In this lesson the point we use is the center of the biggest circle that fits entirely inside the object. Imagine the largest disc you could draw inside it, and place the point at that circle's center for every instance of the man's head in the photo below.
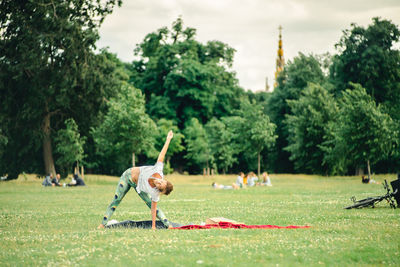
(164, 186)
(58, 176)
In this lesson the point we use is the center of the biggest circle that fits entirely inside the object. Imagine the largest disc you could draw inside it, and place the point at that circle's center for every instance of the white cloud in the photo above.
(251, 27)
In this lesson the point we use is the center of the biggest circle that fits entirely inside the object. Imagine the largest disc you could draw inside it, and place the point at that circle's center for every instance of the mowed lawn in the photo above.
(57, 226)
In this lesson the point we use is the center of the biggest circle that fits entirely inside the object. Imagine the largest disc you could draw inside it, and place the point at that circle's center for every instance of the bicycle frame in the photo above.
(371, 201)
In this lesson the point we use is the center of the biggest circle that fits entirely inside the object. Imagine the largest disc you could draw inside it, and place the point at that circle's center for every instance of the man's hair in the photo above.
(168, 188)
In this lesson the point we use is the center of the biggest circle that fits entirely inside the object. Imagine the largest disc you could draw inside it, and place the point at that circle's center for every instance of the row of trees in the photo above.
(338, 114)
(62, 103)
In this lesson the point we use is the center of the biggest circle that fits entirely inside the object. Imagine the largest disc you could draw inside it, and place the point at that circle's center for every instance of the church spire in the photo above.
(280, 61)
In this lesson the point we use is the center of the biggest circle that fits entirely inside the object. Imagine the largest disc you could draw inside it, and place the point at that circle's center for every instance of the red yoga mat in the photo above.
(225, 225)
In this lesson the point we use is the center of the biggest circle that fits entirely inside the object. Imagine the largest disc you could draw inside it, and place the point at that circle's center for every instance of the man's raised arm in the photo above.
(161, 156)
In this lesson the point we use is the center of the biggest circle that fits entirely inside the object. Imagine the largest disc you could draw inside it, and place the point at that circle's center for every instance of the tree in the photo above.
(309, 127)
(220, 138)
(184, 77)
(257, 132)
(368, 56)
(125, 131)
(262, 136)
(69, 146)
(45, 69)
(197, 149)
(107, 76)
(364, 134)
(291, 82)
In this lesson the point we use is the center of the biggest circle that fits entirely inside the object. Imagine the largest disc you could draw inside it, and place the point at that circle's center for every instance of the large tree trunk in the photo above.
(259, 163)
(369, 170)
(47, 150)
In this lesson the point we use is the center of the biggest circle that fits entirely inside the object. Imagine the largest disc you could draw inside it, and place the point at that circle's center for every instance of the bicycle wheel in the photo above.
(367, 202)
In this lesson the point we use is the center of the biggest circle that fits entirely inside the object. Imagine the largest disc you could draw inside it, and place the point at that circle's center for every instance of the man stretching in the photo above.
(149, 183)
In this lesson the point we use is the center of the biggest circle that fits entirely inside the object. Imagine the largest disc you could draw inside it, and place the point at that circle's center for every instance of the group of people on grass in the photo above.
(248, 180)
(49, 180)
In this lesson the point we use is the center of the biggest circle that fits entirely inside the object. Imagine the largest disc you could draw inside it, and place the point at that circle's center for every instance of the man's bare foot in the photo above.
(101, 226)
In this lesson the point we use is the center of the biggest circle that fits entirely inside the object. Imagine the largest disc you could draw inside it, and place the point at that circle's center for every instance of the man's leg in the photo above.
(122, 188)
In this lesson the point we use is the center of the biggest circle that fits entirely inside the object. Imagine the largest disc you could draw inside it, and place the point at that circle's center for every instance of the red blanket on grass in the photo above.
(237, 226)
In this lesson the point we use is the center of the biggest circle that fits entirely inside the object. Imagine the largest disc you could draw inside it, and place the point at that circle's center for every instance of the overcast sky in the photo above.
(249, 26)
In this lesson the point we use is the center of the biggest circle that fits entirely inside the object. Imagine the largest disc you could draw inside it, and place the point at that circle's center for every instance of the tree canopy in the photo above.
(291, 82)
(366, 56)
(125, 131)
(183, 78)
(309, 124)
(197, 145)
(63, 101)
(221, 140)
(363, 132)
(46, 72)
(69, 146)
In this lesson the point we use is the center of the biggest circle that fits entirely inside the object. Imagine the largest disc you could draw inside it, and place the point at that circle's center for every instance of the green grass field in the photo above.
(57, 226)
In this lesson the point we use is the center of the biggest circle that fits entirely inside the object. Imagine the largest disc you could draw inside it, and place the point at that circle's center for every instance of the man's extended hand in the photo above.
(165, 147)
(170, 135)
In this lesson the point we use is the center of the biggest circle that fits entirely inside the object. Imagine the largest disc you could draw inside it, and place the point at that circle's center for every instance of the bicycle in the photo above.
(371, 201)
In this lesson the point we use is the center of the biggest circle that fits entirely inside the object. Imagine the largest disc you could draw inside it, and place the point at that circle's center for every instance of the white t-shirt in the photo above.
(267, 181)
(143, 181)
(252, 181)
(239, 180)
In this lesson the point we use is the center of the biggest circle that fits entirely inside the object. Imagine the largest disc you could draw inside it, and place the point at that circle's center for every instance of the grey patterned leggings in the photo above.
(123, 187)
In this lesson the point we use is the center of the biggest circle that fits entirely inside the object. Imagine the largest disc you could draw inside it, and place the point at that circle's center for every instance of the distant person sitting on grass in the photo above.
(221, 186)
(77, 181)
(47, 180)
(149, 183)
(56, 181)
(251, 179)
(239, 180)
(367, 180)
(266, 180)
